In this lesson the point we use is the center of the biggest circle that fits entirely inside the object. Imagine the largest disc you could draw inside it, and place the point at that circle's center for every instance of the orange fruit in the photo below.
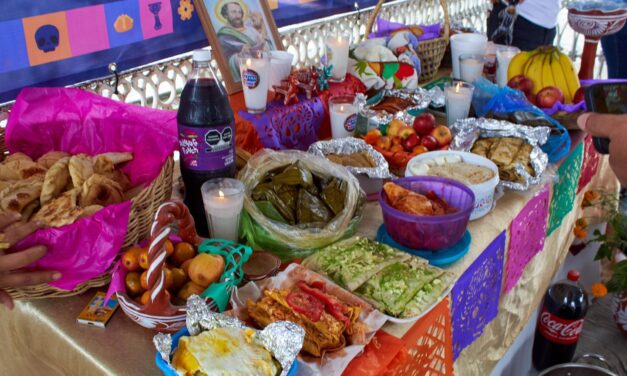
(185, 266)
(189, 289)
(178, 278)
(168, 278)
(130, 259)
(144, 299)
(169, 248)
(133, 284)
(144, 279)
(182, 251)
(143, 259)
(206, 269)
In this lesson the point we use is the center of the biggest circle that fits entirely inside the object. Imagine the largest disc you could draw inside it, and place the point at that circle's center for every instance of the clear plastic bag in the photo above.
(287, 241)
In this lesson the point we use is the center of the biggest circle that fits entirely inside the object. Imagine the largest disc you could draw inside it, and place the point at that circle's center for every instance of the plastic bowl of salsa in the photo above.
(431, 233)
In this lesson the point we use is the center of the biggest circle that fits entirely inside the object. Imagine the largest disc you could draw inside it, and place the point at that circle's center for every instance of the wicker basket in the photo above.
(144, 206)
(430, 51)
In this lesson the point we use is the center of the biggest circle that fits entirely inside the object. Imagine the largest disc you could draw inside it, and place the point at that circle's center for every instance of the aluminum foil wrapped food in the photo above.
(419, 97)
(348, 146)
(283, 339)
(466, 132)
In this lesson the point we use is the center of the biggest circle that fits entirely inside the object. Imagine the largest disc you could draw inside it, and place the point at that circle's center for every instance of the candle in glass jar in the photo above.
(343, 116)
(504, 56)
(255, 73)
(337, 56)
(223, 200)
(471, 67)
(458, 96)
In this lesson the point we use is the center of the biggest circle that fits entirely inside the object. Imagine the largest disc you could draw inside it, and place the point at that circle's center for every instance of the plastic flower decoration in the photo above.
(185, 10)
(598, 290)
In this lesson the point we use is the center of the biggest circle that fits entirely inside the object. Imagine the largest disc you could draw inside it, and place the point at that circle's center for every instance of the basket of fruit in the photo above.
(176, 267)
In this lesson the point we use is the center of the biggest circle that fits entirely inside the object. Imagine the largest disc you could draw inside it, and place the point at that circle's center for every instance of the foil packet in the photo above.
(420, 96)
(283, 339)
(467, 131)
(350, 145)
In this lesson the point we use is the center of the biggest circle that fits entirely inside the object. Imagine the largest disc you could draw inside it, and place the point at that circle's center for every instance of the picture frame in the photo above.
(230, 29)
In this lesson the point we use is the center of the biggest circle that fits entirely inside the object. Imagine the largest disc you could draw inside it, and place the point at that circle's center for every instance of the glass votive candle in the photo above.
(471, 66)
(254, 68)
(223, 200)
(504, 55)
(337, 55)
(458, 96)
(343, 113)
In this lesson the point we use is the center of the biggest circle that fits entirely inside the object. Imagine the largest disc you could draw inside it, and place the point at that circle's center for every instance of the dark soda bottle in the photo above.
(559, 323)
(206, 135)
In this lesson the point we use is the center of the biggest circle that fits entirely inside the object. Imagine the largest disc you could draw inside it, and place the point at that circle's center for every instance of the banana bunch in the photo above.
(546, 66)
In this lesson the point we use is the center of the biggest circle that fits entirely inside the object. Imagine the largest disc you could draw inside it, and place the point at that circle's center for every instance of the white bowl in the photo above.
(484, 192)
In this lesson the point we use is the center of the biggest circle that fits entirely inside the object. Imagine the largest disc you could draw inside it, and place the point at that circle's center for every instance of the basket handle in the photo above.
(377, 9)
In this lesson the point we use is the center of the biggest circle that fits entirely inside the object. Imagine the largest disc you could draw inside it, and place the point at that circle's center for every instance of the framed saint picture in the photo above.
(232, 25)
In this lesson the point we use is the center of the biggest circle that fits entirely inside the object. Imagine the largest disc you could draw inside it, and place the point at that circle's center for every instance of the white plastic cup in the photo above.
(255, 72)
(504, 55)
(280, 67)
(466, 43)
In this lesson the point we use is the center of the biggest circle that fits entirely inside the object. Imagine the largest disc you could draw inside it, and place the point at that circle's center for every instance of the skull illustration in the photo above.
(47, 38)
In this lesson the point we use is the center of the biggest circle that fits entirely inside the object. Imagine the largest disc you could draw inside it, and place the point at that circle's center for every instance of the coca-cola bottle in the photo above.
(560, 322)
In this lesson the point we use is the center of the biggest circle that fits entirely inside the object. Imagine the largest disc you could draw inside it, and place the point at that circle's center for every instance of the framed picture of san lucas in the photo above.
(233, 25)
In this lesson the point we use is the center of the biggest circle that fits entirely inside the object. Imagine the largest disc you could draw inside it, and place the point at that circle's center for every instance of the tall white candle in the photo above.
(343, 118)
(223, 205)
(255, 72)
(458, 96)
(337, 56)
(504, 56)
(471, 68)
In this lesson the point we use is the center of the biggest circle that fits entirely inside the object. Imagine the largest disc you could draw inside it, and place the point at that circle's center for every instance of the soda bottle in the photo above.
(206, 135)
(560, 322)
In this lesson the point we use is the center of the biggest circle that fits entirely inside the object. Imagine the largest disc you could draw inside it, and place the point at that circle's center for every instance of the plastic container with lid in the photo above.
(430, 232)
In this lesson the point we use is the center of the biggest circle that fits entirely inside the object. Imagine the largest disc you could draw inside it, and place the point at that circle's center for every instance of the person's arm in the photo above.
(613, 127)
(11, 232)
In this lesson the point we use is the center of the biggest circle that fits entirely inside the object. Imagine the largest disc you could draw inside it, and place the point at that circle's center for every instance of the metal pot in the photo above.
(579, 369)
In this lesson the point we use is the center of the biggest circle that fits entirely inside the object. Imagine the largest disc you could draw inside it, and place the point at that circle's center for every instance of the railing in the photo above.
(157, 85)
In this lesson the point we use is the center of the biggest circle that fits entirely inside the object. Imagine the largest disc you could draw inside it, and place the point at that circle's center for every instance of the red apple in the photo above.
(406, 132)
(419, 150)
(548, 96)
(445, 147)
(430, 142)
(384, 143)
(410, 142)
(442, 134)
(532, 99)
(394, 127)
(424, 123)
(521, 83)
(579, 95)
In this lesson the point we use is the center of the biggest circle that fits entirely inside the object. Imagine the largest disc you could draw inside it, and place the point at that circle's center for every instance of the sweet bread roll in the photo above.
(100, 190)
(81, 169)
(20, 194)
(61, 211)
(19, 168)
(56, 180)
(50, 158)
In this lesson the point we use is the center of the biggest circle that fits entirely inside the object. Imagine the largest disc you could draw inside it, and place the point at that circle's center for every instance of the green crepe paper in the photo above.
(565, 190)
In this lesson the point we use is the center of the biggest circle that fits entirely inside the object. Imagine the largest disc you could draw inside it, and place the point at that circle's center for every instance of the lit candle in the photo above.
(458, 96)
(223, 200)
(337, 56)
(343, 116)
(255, 72)
(471, 67)
(504, 56)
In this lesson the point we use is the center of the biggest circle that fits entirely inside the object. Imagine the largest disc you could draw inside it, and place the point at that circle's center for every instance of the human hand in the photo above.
(613, 127)
(11, 232)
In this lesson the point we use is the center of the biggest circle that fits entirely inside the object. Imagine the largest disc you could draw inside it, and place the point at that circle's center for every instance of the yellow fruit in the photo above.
(516, 65)
(133, 285)
(547, 73)
(206, 269)
(569, 73)
(189, 289)
(560, 79)
(182, 251)
(178, 278)
(533, 71)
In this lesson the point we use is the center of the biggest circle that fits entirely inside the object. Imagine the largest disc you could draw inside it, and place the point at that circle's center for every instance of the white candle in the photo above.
(337, 56)
(223, 205)
(458, 96)
(504, 56)
(255, 74)
(343, 118)
(280, 67)
(466, 43)
(471, 68)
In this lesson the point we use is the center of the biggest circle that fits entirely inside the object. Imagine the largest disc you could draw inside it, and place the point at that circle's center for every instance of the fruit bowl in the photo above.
(429, 232)
(159, 311)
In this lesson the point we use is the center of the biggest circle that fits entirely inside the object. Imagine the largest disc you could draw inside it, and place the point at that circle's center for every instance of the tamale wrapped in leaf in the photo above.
(311, 209)
(294, 174)
(259, 193)
(334, 194)
(288, 194)
(270, 211)
(281, 206)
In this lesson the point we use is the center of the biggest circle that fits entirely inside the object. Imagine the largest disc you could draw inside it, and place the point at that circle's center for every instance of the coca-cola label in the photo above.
(558, 330)
(206, 149)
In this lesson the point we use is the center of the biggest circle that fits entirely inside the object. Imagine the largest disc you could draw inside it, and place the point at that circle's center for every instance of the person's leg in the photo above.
(529, 36)
(615, 50)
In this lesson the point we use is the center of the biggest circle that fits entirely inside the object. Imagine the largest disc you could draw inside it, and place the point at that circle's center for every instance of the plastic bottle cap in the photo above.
(573, 275)
(201, 55)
